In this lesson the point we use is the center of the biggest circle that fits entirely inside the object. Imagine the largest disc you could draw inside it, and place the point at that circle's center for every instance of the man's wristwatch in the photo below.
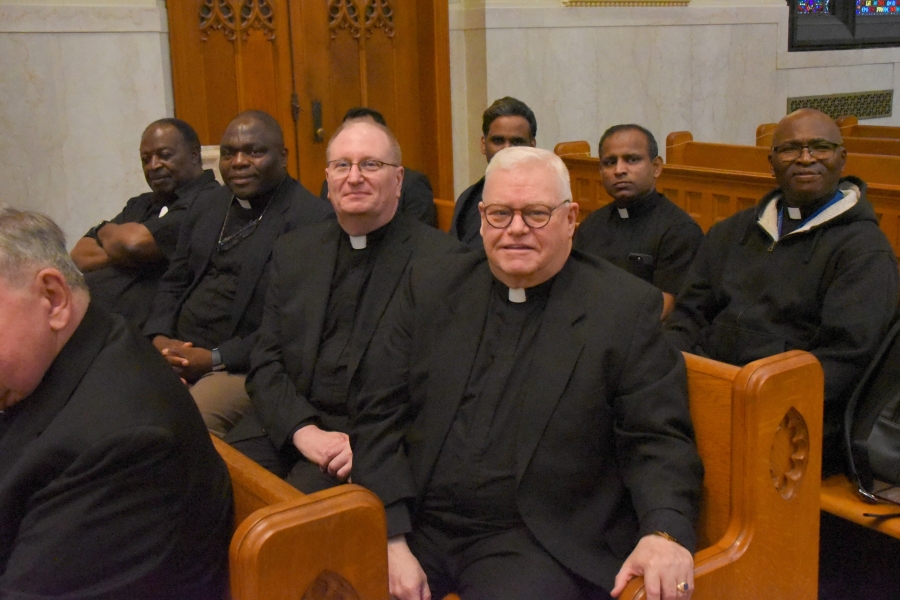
(217, 364)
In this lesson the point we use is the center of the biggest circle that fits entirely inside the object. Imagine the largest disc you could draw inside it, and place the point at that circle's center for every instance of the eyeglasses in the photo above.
(342, 166)
(534, 215)
(818, 149)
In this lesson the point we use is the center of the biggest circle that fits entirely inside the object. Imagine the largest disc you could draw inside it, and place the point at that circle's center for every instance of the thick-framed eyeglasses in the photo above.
(535, 216)
(818, 149)
(342, 166)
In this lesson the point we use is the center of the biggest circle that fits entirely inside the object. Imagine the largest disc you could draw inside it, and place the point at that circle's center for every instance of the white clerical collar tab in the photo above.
(623, 212)
(163, 211)
(794, 213)
(517, 295)
(245, 204)
(358, 242)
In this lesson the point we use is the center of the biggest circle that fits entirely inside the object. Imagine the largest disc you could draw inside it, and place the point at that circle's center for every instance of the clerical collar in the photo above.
(523, 295)
(245, 204)
(361, 242)
(636, 207)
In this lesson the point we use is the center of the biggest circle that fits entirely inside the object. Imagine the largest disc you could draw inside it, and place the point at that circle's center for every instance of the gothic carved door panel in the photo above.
(307, 62)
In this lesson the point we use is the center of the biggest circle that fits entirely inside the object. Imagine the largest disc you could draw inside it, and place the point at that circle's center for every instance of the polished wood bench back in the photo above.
(849, 125)
(444, 213)
(854, 145)
(759, 433)
(288, 545)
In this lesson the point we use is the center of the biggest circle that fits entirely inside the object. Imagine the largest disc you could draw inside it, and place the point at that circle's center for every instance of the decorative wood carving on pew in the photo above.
(219, 15)
(330, 586)
(789, 456)
(344, 14)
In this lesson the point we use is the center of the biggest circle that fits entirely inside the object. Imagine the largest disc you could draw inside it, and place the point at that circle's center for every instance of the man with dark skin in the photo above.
(641, 231)
(123, 259)
(506, 122)
(808, 269)
(210, 301)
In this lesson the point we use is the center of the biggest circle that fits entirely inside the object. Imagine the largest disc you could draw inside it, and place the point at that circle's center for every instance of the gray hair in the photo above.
(395, 154)
(29, 242)
(516, 157)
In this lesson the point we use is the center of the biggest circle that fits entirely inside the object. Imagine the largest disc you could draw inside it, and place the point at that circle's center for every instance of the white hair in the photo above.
(516, 157)
(30, 241)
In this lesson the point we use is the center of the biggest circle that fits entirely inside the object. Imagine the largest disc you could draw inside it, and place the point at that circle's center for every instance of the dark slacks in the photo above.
(510, 565)
(287, 463)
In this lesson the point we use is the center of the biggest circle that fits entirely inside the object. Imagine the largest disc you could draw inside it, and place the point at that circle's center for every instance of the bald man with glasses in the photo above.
(330, 285)
(808, 268)
(523, 419)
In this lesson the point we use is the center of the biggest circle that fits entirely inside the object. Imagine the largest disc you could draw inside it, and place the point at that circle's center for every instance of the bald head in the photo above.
(253, 159)
(807, 157)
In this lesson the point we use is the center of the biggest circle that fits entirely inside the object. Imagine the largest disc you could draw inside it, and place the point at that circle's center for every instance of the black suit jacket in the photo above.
(605, 450)
(291, 207)
(109, 485)
(416, 196)
(466, 218)
(284, 356)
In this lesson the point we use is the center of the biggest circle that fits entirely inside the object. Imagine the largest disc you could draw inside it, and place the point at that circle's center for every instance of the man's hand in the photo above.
(406, 577)
(189, 362)
(664, 564)
(328, 449)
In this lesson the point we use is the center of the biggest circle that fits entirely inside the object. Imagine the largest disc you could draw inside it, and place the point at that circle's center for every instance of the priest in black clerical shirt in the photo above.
(522, 417)
(330, 284)
(210, 300)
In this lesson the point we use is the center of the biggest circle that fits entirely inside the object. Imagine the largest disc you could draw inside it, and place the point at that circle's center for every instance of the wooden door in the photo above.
(308, 61)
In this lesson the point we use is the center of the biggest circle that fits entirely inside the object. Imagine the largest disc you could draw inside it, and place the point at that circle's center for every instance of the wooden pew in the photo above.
(849, 125)
(840, 498)
(288, 546)
(854, 145)
(444, 213)
(759, 432)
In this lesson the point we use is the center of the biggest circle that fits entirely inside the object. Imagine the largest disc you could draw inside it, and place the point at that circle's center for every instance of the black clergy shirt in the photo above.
(353, 268)
(473, 487)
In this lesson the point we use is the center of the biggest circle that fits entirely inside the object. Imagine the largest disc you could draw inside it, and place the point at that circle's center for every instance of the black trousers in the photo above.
(288, 464)
(510, 564)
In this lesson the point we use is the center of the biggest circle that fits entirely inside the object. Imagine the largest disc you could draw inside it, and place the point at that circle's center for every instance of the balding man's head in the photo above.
(807, 156)
(253, 159)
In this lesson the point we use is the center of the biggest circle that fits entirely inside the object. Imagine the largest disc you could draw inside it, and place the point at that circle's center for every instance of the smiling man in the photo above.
(523, 419)
(210, 300)
(330, 285)
(124, 258)
(641, 230)
(807, 268)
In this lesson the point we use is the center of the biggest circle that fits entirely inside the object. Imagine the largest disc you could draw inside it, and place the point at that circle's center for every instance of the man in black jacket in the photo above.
(124, 258)
(330, 285)
(210, 301)
(109, 485)
(808, 268)
(522, 417)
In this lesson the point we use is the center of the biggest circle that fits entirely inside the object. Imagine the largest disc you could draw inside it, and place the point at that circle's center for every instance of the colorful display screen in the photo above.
(877, 7)
(818, 7)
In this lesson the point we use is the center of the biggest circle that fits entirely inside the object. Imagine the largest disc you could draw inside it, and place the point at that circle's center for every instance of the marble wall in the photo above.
(77, 86)
(715, 68)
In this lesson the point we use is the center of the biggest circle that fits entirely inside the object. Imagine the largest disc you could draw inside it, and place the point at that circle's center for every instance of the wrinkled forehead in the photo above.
(532, 182)
(805, 127)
